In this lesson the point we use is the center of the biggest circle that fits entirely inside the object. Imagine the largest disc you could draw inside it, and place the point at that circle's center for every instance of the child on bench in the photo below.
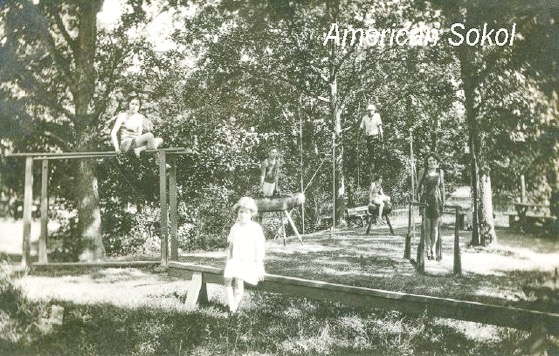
(245, 254)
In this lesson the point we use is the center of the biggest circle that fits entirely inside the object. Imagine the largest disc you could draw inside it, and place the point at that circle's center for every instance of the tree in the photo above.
(487, 76)
(60, 71)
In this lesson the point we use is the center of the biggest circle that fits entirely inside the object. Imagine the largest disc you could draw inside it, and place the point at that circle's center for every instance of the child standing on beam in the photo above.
(270, 171)
(245, 253)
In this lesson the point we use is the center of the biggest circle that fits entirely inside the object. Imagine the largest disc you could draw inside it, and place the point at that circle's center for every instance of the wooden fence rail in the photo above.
(522, 319)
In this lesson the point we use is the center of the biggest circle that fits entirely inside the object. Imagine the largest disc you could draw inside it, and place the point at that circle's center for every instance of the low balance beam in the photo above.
(517, 318)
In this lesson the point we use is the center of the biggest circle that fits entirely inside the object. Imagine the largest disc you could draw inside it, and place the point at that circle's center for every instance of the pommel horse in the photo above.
(282, 204)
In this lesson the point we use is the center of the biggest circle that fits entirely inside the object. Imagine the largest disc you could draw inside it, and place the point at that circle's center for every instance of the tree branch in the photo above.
(61, 62)
(58, 20)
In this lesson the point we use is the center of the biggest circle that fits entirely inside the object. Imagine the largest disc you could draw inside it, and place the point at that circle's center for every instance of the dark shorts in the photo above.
(373, 149)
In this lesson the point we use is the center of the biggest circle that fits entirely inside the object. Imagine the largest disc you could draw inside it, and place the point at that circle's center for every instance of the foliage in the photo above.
(242, 76)
(21, 321)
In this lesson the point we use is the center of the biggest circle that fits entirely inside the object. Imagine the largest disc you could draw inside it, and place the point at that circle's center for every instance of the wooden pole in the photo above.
(439, 246)
(43, 258)
(421, 247)
(288, 216)
(301, 159)
(164, 211)
(27, 205)
(411, 217)
(523, 189)
(282, 228)
(457, 268)
(173, 210)
(407, 245)
(333, 232)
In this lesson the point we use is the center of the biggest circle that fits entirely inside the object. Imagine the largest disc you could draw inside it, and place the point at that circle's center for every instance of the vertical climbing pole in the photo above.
(43, 258)
(411, 217)
(164, 209)
(27, 202)
(333, 231)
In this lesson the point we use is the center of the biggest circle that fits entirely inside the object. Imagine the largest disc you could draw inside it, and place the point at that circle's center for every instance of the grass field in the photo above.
(133, 311)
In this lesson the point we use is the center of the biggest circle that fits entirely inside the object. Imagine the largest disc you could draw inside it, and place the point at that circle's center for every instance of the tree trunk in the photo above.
(487, 223)
(335, 112)
(89, 215)
(466, 59)
(89, 222)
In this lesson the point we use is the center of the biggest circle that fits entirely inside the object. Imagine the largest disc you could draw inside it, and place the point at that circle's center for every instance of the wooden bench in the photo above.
(325, 221)
(513, 218)
(528, 220)
(535, 222)
(357, 215)
(449, 209)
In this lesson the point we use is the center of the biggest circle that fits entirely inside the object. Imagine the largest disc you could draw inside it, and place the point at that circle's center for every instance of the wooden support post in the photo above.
(282, 228)
(293, 225)
(163, 202)
(27, 206)
(197, 291)
(523, 189)
(407, 246)
(439, 246)
(421, 247)
(173, 213)
(457, 267)
(333, 229)
(43, 258)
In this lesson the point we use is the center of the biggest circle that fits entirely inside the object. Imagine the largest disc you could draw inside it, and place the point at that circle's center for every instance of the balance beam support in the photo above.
(197, 291)
(173, 209)
(164, 210)
(27, 205)
(43, 258)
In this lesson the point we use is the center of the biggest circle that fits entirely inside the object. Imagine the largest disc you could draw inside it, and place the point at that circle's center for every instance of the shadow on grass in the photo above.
(266, 324)
(495, 275)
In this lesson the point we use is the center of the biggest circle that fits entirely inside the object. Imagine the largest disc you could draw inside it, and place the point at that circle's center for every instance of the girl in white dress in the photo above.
(245, 254)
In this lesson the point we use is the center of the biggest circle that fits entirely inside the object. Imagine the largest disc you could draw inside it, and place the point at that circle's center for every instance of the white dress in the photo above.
(246, 253)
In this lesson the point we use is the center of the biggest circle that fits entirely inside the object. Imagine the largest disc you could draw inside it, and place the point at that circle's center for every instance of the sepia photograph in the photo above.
(276, 177)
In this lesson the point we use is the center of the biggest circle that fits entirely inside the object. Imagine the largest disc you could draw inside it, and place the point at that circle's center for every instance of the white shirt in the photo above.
(371, 124)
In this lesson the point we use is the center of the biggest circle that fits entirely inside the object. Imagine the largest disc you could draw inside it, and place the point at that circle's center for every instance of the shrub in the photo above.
(21, 322)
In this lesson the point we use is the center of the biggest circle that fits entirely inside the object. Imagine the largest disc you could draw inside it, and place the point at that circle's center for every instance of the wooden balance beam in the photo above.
(539, 323)
(282, 204)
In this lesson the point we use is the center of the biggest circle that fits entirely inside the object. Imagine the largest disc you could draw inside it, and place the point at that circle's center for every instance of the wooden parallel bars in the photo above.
(166, 211)
(457, 263)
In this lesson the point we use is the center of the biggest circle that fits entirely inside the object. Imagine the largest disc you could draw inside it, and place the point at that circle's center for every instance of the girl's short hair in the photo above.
(134, 97)
(375, 177)
(434, 155)
(246, 203)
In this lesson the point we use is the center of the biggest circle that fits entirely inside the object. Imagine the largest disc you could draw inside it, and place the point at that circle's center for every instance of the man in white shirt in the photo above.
(371, 124)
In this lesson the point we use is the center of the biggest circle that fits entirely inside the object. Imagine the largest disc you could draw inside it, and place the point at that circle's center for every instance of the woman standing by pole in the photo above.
(431, 191)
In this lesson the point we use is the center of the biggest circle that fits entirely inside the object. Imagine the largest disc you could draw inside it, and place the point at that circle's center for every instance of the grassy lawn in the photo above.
(141, 312)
